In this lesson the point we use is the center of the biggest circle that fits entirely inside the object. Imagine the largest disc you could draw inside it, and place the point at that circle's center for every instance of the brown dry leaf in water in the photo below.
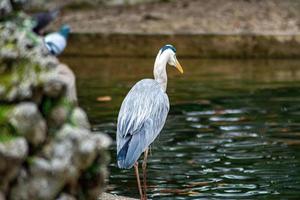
(173, 191)
(104, 99)
(184, 191)
(193, 184)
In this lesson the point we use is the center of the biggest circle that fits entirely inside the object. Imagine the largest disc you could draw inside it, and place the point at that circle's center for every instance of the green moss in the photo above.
(9, 46)
(66, 103)
(23, 24)
(7, 131)
(6, 137)
(69, 106)
(18, 71)
(30, 160)
(92, 170)
(4, 112)
(33, 37)
(71, 121)
(48, 104)
(15, 67)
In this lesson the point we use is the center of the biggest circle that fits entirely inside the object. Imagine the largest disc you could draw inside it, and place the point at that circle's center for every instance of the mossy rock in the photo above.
(6, 137)
(7, 132)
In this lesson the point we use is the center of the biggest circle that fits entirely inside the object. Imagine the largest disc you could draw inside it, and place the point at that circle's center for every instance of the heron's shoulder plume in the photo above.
(168, 46)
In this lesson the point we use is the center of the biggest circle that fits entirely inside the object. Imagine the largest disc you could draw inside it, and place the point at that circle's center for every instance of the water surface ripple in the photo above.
(233, 131)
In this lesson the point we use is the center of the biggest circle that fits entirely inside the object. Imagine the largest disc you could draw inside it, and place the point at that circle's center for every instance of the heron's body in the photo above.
(142, 116)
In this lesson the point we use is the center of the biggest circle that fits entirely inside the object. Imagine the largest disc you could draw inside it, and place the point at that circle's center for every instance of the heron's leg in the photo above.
(136, 169)
(144, 166)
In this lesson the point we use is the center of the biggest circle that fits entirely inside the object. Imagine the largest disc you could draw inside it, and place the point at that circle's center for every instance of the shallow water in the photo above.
(233, 131)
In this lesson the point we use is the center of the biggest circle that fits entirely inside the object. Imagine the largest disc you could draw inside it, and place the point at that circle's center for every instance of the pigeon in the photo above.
(43, 19)
(56, 42)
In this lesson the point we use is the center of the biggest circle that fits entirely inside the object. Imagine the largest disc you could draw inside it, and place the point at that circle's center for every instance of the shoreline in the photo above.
(187, 16)
(206, 45)
(197, 28)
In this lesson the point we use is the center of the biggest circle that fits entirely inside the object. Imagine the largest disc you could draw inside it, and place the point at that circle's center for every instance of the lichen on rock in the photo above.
(5, 7)
(28, 122)
(47, 150)
(12, 153)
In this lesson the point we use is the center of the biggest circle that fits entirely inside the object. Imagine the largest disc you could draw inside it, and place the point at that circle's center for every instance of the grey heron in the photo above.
(143, 114)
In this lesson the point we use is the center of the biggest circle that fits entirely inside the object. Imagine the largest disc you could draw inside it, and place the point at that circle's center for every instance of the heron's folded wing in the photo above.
(145, 102)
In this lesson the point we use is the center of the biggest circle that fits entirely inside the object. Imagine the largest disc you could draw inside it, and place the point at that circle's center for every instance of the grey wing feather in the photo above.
(142, 116)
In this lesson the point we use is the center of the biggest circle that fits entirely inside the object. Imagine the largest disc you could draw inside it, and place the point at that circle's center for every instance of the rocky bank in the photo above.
(183, 16)
(47, 150)
(198, 28)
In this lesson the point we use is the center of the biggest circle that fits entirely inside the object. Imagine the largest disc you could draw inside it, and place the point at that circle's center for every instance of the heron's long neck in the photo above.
(160, 72)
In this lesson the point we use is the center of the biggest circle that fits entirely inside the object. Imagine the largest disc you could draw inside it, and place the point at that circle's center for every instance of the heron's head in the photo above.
(170, 51)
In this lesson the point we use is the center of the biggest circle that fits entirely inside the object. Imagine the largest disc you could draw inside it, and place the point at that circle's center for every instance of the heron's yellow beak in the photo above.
(178, 66)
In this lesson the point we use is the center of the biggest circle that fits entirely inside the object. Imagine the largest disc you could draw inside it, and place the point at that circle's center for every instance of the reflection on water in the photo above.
(233, 131)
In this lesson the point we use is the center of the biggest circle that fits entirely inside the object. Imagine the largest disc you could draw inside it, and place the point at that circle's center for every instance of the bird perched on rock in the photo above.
(56, 42)
(143, 114)
(43, 19)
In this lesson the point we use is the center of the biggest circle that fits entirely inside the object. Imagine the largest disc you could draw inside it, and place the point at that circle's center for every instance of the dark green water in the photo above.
(233, 131)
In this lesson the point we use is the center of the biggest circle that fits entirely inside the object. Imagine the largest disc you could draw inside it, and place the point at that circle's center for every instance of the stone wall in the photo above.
(47, 150)
(46, 4)
(188, 45)
(127, 2)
